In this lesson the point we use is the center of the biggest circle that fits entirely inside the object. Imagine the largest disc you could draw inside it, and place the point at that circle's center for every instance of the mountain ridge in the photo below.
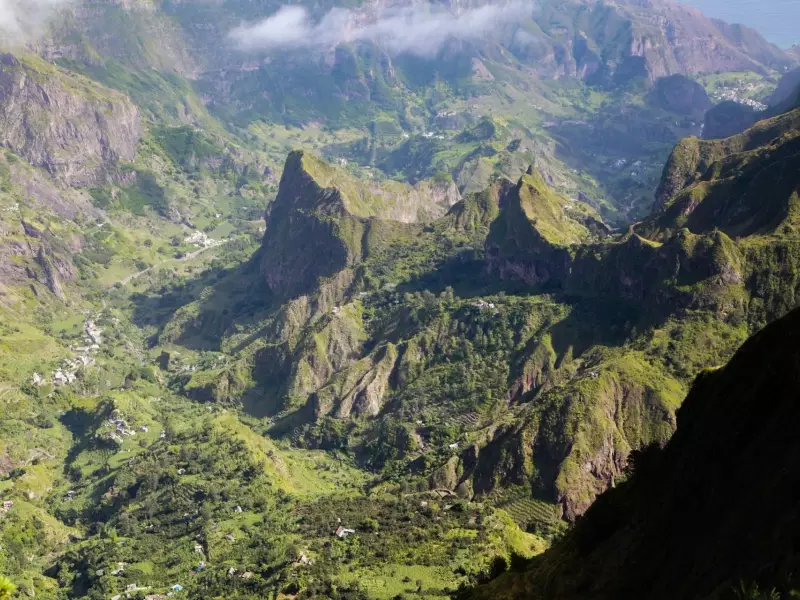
(655, 535)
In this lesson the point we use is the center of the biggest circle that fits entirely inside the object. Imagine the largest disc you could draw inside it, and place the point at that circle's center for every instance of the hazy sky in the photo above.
(777, 20)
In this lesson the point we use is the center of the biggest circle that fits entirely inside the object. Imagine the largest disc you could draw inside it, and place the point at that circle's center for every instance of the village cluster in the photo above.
(68, 371)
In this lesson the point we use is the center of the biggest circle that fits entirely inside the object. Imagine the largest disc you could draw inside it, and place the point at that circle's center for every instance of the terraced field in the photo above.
(527, 511)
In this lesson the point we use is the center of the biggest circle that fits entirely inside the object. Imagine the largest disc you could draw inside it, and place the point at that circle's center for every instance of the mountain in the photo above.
(93, 129)
(673, 529)
(417, 332)
(345, 320)
(520, 72)
(735, 185)
(316, 205)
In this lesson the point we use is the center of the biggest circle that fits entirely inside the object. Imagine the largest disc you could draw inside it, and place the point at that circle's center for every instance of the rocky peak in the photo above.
(321, 213)
(310, 233)
(531, 238)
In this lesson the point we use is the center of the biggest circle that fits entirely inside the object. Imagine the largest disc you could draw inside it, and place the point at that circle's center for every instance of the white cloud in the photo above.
(22, 20)
(419, 29)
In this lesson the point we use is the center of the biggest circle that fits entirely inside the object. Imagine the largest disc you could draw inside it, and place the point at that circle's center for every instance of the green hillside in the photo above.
(360, 323)
(675, 528)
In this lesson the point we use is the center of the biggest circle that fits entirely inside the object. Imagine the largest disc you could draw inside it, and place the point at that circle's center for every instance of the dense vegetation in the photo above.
(399, 362)
(675, 528)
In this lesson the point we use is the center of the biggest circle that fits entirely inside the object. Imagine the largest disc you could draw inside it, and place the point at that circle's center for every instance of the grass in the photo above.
(390, 580)
(25, 349)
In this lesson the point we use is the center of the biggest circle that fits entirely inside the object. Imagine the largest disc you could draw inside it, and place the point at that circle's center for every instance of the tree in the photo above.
(7, 588)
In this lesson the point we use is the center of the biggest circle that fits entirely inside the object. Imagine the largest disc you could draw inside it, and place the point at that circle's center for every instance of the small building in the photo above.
(198, 548)
(343, 532)
(231, 572)
(238, 510)
(246, 575)
(453, 446)
(7, 506)
(177, 587)
(483, 305)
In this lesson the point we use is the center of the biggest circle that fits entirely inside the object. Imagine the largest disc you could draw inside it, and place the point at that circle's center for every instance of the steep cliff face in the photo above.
(311, 232)
(75, 129)
(674, 529)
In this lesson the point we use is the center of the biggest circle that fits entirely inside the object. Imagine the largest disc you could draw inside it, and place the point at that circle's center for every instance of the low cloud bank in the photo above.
(420, 30)
(22, 20)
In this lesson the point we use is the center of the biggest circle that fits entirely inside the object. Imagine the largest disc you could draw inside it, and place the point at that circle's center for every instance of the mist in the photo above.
(420, 29)
(21, 21)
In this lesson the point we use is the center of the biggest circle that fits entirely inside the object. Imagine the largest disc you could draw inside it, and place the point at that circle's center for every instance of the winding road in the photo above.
(126, 280)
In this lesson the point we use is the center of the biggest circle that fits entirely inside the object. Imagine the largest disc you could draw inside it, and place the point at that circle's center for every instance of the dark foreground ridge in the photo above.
(713, 515)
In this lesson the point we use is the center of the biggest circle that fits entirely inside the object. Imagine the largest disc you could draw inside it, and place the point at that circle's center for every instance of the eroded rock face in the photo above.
(74, 129)
(38, 257)
(360, 390)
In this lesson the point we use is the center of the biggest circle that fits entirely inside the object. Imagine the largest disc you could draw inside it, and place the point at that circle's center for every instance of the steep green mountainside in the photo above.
(524, 346)
(742, 185)
(677, 527)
